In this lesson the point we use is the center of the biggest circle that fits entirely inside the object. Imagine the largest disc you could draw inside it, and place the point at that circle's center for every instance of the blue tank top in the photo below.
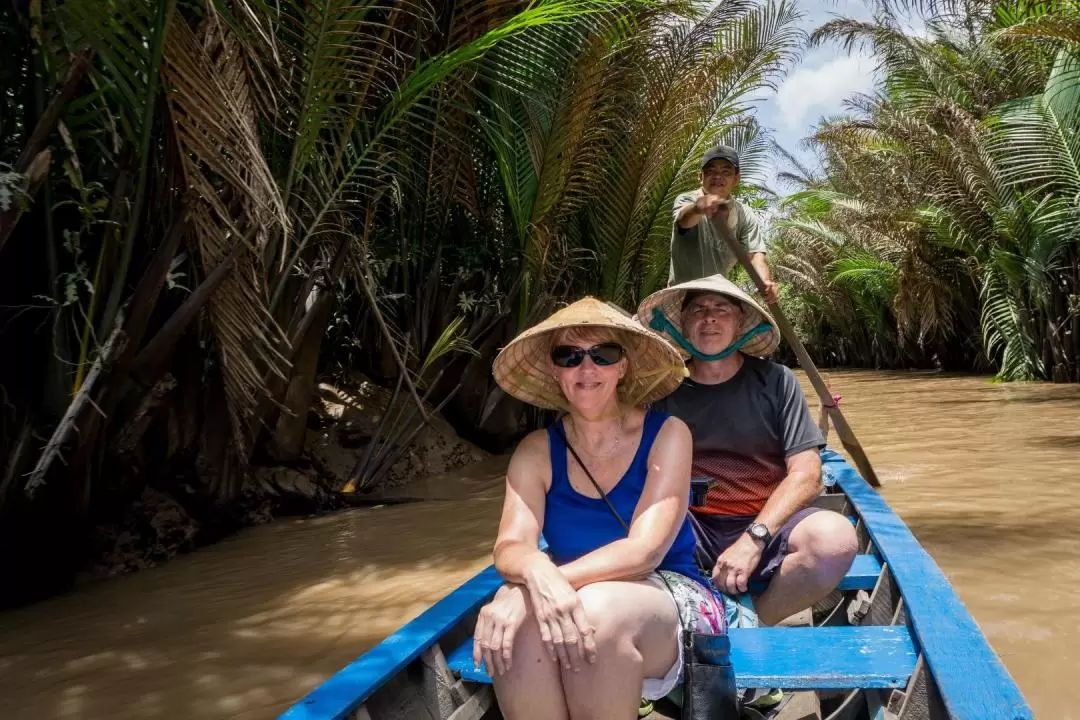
(576, 524)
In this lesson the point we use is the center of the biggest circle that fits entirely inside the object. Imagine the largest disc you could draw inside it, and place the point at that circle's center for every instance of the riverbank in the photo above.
(983, 473)
(168, 519)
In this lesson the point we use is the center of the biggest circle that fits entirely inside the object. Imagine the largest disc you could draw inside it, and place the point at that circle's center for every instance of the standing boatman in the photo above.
(697, 249)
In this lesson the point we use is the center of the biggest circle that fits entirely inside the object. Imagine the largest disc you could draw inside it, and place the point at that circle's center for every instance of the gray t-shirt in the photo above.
(744, 430)
(699, 251)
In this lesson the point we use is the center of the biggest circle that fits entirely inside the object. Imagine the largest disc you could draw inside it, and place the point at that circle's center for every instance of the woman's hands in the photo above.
(496, 626)
(565, 631)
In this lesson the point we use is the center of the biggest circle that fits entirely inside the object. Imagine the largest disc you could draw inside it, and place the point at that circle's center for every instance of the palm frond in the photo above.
(694, 97)
(117, 32)
(237, 203)
(1038, 139)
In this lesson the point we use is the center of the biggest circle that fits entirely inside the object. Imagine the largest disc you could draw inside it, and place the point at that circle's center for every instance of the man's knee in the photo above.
(825, 536)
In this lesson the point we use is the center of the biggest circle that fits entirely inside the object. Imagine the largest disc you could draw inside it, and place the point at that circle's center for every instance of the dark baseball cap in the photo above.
(721, 152)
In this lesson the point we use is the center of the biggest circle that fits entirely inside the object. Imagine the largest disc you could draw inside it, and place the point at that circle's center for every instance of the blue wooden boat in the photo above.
(893, 642)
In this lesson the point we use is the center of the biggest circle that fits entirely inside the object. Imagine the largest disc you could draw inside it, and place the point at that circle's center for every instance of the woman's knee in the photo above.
(622, 613)
(600, 603)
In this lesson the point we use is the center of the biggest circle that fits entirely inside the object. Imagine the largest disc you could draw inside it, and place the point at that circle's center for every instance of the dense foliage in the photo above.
(206, 203)
(943, 226)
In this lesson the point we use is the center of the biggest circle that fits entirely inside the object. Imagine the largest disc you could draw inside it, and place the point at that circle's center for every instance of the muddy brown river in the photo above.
(985, 475)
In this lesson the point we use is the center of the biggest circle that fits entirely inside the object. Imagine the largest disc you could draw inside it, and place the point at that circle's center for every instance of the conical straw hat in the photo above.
(670, 300)
(523, 368)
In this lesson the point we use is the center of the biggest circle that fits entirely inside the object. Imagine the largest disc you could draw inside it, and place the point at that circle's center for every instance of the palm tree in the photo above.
(240, 192)
(961, 217)
(218, 171)
(694, 87)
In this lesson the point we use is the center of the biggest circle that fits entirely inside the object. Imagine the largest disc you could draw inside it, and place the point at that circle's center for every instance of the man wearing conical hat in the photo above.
(756, 444)
(697, 249)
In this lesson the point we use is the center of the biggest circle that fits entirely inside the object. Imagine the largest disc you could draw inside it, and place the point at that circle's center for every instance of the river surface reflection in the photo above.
(984, 474)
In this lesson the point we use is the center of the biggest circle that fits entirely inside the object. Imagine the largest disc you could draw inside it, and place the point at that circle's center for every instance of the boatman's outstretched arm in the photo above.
(688, 215)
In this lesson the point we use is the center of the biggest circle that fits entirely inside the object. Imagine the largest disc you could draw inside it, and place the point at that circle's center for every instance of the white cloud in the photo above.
(822, 89)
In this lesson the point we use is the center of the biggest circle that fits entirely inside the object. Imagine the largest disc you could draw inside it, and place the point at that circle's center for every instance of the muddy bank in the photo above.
(170, 517)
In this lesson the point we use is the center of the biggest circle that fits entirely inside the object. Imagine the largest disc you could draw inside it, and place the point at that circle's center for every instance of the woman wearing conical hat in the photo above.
(589, 628)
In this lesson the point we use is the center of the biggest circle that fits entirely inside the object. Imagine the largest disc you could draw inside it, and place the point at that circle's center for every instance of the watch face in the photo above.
(759, 531)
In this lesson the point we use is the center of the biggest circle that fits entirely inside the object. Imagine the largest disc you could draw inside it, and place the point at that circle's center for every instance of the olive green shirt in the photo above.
(699, 251)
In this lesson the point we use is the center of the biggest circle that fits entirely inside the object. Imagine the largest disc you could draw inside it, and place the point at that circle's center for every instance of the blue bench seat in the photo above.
(862, 575)
(804, 658)
(795, 658)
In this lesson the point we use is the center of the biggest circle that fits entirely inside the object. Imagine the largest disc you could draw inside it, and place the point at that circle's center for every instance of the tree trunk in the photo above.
(1074, 310)
(150, 362)
(291, 427)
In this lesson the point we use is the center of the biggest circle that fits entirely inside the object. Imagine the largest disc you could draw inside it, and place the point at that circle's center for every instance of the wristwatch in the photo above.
(758, 531)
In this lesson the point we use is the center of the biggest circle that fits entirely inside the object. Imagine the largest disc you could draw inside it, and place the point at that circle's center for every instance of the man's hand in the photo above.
(772, 292)
(732, 571)
(709, 204)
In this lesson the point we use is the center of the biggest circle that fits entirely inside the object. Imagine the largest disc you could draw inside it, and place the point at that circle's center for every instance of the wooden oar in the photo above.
(847, 435)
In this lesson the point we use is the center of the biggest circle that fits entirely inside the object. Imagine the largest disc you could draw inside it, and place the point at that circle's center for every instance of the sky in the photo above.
(817, 85)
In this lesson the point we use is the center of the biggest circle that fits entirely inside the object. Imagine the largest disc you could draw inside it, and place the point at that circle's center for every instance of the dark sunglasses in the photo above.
(570, 356)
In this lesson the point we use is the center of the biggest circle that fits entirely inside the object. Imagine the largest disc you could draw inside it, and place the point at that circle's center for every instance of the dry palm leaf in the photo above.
(215, 126)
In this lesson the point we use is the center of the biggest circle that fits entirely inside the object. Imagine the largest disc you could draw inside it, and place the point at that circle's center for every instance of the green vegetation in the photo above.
(207, 203)
(944, 224)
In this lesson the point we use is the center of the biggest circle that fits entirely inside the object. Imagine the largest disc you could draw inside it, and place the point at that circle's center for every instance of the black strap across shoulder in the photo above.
(611, 507)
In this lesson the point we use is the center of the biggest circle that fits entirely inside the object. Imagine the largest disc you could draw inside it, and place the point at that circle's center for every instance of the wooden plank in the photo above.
(351, 686)
(433, 657)
(437, 684)
(800, 706)
(475, 707)
(837, 502)
(822, 658)
(795, 658)
(969, 675)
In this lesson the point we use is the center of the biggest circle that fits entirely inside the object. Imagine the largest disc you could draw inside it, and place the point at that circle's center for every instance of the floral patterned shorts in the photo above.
(702, 607)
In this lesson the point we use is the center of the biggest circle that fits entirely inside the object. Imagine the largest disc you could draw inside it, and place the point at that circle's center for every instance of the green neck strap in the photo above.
(661, 324)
